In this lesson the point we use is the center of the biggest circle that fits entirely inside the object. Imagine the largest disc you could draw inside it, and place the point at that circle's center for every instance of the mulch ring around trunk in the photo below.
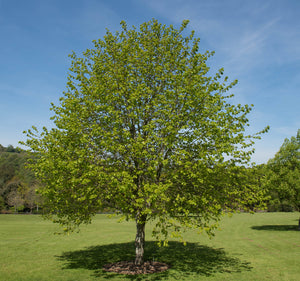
(128, 267)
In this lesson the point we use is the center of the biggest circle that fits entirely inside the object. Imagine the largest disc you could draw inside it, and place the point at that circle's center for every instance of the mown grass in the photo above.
(263, 246)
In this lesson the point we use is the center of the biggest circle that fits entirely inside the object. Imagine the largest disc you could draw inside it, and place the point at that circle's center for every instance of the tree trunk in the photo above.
(299, 225)
(140, 239)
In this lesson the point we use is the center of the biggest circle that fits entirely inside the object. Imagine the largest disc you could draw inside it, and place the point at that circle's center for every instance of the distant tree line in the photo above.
(279, 179)
(17, 184)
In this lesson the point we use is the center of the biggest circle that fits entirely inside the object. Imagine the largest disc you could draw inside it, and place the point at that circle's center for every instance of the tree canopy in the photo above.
(144, 128)
(283, 174)
(17, 184)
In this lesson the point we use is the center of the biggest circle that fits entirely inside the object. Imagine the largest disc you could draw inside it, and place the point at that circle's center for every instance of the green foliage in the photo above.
(16, 182)
(283, 176)
(2, 203)
(143, 128)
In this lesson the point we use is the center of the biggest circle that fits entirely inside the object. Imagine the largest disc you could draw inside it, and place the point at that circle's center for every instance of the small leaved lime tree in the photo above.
(144, 129)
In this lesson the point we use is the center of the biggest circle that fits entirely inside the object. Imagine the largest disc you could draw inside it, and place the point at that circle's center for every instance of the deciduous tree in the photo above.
(15, 199)
(32, 199)
(145, 129)
(283, 173)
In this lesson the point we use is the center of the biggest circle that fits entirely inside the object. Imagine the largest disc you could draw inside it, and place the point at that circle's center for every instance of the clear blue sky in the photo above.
(257, 42)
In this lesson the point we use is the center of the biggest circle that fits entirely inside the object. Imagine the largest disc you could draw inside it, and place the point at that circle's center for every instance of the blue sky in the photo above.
(257, 42)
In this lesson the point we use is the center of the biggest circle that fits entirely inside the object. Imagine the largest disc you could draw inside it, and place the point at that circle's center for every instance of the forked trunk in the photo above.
(140, 240)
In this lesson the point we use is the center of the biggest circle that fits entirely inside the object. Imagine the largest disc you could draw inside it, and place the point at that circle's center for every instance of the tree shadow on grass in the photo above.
(192, 259)
(276, 227)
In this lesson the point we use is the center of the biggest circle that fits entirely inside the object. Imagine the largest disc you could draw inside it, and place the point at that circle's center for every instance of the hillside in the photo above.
(17, 183)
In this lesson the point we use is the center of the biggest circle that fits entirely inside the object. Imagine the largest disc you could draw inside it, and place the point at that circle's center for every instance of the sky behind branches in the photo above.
(257, 42)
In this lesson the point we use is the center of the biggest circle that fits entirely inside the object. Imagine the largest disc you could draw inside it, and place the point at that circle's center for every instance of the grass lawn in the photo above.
(263, 246)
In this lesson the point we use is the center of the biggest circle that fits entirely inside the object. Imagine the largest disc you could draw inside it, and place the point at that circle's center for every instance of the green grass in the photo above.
(263, 246)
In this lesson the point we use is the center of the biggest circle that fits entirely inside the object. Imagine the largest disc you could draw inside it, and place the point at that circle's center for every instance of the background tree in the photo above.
(15, 199)
(2, 204)
(283, 175)
(252, 180)
(31, 198)
(142, 127)
(13, 174)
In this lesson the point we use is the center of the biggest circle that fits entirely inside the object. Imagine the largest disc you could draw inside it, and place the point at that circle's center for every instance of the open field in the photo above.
(263, 246)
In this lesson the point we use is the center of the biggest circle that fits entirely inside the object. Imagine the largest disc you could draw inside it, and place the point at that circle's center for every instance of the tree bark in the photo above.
(140, 239)
(299, 224)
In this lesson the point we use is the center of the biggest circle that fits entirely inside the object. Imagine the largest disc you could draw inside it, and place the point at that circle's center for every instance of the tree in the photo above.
(252, 179)
(2, 203)
(10, 189)
(283, 174)
(32, 199)
(15, 199)
(13, 174)
(144, 129)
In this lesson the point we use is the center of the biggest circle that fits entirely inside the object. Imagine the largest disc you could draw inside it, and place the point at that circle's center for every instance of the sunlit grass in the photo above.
(263, 246)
